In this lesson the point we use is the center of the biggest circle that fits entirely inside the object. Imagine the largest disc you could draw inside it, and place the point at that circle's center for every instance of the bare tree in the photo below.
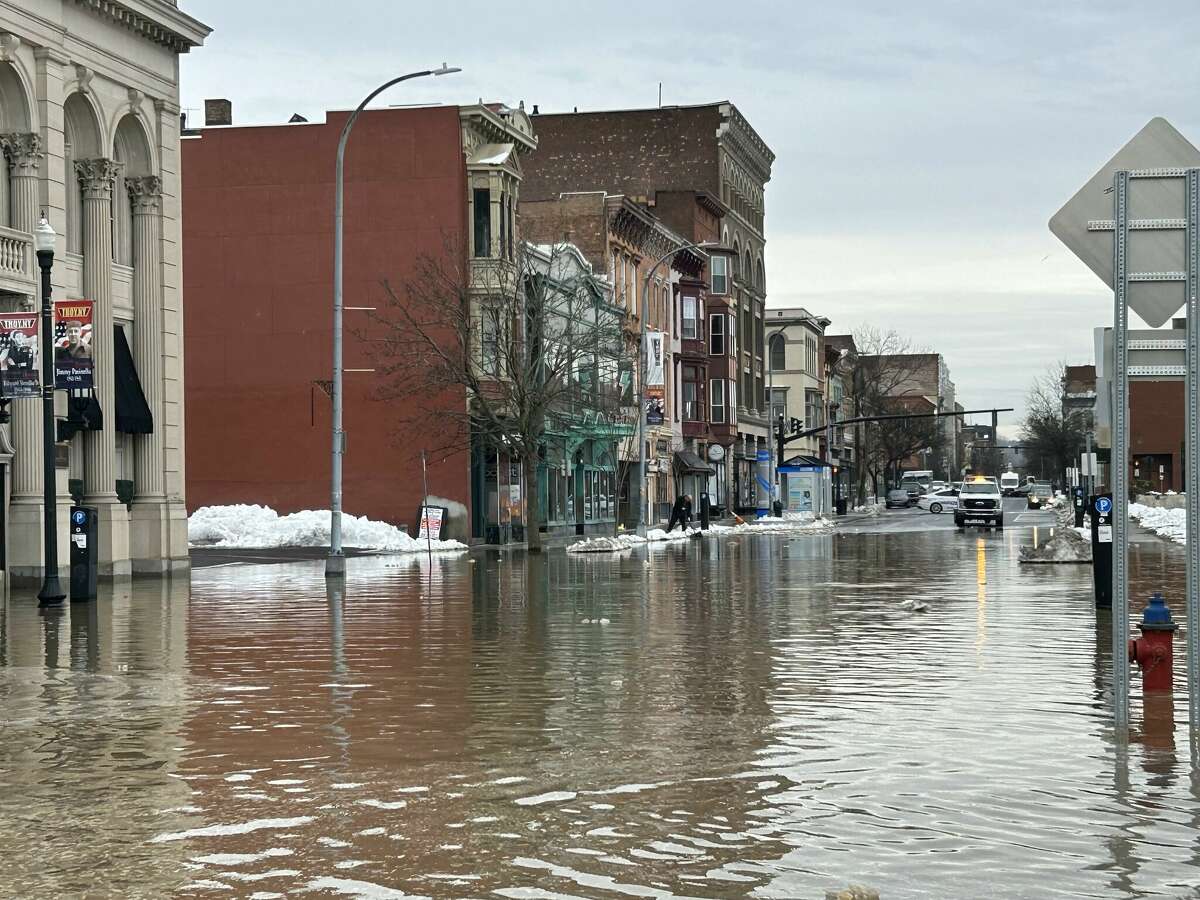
(506, 352)
(884, 382)
(1052, 432)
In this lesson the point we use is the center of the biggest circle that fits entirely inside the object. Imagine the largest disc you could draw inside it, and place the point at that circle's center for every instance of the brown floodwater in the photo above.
(758, 716)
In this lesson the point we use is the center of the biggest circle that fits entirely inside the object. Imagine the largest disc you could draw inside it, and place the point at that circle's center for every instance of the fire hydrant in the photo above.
(1153, 650)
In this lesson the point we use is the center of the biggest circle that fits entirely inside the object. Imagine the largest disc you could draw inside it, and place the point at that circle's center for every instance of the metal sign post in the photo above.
(1147, 253)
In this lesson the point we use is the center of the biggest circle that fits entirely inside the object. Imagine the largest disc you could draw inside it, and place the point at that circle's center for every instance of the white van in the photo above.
(1009, 482)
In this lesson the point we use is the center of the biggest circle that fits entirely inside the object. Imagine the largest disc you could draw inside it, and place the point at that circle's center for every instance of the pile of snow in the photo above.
(1170, 523)
(246, 527)
(871, 509)
(1066, 545)
(602, 544)
(804, 524)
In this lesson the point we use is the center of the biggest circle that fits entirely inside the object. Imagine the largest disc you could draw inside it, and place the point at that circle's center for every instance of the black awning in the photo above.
(133, 413)
(691, 464)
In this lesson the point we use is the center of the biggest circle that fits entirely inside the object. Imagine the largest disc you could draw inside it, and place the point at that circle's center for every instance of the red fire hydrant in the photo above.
(1154, 649)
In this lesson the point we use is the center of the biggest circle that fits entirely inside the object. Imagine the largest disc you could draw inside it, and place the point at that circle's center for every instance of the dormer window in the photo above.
(720, 274)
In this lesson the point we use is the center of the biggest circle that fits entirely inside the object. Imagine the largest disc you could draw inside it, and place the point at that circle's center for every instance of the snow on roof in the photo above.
(490, 155)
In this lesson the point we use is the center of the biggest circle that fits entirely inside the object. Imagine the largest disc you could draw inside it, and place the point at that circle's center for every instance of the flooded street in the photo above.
(760, 716)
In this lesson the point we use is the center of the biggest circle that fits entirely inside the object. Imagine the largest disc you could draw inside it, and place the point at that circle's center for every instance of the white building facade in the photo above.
(89, 125)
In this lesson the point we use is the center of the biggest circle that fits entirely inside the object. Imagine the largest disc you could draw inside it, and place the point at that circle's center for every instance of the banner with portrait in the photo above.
(73, 344)
(20, 360)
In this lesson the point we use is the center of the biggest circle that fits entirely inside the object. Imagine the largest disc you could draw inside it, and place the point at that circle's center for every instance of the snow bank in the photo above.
(1170, 523)
(256, 527)
(773, 524)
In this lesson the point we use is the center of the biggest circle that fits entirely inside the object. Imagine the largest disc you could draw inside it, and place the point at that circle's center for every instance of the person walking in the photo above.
(681, 512)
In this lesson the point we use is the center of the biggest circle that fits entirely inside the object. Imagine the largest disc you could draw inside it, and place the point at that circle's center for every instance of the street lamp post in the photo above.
(774, 422)
(335, 564)
(641, 482)
(51, 593)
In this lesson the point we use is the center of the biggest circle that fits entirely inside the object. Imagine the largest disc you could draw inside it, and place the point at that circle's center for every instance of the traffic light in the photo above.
(795, 424)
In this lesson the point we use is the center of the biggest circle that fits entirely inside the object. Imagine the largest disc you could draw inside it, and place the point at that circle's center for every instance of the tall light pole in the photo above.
(641, 482)
(51, 593)
(335, 564)
(770, 408)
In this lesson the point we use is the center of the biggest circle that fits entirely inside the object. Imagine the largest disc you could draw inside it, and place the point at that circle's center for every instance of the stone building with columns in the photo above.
(89, 126)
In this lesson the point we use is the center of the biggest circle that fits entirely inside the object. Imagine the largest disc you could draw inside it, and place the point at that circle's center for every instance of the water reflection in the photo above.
(771, 716)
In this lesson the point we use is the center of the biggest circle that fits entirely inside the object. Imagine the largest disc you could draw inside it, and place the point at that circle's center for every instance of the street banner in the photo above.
(655, 406)
(73, 344)
(431, 523)
(19, 357)
(655, 359)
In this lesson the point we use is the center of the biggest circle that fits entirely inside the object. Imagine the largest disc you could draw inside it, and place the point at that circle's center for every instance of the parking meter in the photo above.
(1102, 548)
(84, 547)
(1079, 498)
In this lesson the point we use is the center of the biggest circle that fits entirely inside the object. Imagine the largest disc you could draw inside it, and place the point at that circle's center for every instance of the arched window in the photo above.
(748, 266)
(778, 353)
(760, 280)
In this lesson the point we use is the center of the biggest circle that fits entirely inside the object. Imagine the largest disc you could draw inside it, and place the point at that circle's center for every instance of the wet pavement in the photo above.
(761, 716)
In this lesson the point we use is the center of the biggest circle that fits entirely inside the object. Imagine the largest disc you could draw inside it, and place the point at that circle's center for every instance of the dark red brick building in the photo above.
(258, 265)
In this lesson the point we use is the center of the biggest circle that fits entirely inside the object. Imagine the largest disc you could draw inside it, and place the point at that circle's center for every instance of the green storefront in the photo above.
(578, 480)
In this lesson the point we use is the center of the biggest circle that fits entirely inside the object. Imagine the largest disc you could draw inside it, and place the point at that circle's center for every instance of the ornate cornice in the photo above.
(24, 153)
(145, 192)
(743, 142)
(157, 22)
(96, 177)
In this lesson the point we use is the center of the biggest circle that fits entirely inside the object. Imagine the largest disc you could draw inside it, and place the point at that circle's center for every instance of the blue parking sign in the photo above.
(1103, 504)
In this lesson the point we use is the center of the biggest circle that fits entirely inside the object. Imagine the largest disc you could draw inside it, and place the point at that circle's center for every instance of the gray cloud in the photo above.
(922, 136)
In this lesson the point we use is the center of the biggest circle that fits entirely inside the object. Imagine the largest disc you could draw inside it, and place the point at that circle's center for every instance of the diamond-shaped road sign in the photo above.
(1157, 209)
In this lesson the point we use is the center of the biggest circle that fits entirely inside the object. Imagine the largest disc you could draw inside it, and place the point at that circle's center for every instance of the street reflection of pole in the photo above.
(980, 600)
(51, 617)
(340, 710)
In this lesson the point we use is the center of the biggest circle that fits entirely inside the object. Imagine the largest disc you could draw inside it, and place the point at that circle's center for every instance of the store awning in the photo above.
(133, 413)
(689, 463)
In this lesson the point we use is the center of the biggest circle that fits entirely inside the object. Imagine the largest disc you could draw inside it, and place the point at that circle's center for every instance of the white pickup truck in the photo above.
(979, 503)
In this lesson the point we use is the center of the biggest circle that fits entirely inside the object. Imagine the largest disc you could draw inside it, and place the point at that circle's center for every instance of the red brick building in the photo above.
(703, 171)
(258, 261)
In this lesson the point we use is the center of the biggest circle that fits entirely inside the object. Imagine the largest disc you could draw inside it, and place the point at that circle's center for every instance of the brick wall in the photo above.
(632, 152)
(1156, 425)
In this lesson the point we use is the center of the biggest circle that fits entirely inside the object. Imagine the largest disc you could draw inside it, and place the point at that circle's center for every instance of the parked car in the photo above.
(1040, 495)
(897, 498)
(936, 501)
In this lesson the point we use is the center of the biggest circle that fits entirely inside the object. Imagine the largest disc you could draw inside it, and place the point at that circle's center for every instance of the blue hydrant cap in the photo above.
(1157, 612)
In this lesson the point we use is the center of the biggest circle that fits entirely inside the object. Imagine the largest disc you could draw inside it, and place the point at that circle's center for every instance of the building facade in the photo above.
(89, 125)
(624, 239)
(259, 332)
(703, 170)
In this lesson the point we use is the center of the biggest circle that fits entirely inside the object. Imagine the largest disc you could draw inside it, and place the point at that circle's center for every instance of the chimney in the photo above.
(535, 109)
(218, 112)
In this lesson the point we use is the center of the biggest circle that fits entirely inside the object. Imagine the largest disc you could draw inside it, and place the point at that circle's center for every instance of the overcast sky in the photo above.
(920, 147)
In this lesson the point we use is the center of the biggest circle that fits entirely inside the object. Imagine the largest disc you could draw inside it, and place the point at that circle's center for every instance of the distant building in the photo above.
(923, 382)
(703, 171)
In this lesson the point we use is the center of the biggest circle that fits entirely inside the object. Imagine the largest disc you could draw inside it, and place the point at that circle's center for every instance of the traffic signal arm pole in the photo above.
(797, 435)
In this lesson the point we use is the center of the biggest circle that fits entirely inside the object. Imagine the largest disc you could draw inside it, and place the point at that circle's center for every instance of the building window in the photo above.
(778, 356)
(720, 274)
(691, 329)
(716, 396)
(483, 222)
(691, 394)
(810, 355)
(490, 342)
(812, 409)
(778, 403)
(733, 402)
(716, 334)
(760, 394)
(732, 323)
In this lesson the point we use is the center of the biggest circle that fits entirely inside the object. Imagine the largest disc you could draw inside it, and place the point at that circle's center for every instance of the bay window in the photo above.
(716, 394)
(716, 334)
(691, 313)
